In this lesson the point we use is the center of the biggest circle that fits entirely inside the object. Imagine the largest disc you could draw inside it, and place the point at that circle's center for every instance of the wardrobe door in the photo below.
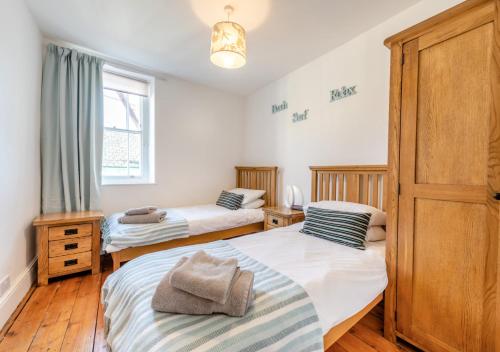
(448, 217)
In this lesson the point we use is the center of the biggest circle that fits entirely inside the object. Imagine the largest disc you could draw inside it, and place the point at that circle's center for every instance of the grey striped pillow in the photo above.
(348, 229)
(231, 201)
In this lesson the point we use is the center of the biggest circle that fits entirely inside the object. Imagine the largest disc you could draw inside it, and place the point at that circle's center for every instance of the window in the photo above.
(128, 125)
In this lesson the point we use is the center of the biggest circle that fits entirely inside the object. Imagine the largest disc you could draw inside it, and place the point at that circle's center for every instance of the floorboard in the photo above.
(21, 333)
(67, 315)
(81, 329)
(16, 312)
(50, 335)
(99, 340)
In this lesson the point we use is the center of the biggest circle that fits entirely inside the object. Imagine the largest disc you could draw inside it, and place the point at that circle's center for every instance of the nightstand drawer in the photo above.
(69, 231)
(70, 246)
(281, 217)
(65, 263)
(274, 220)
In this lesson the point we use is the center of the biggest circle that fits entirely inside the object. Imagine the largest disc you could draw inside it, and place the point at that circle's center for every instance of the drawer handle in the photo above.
(69, 232)
(70, 262)
(275, 221)
(69, 246)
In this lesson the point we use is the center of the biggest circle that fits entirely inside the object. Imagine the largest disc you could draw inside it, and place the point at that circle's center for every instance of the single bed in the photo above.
(365, 184)
(343, 284)
(210, 222)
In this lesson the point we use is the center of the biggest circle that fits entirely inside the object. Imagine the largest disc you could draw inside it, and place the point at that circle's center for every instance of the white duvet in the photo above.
(210, 217)
(340, 280)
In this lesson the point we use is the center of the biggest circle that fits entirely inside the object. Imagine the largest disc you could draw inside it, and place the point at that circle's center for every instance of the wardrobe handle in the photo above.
(497, 196)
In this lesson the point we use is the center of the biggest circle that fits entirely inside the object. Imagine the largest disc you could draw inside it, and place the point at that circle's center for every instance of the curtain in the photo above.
(71, 130)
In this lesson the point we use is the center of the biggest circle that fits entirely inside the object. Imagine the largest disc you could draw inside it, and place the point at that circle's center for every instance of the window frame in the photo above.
(147, 133)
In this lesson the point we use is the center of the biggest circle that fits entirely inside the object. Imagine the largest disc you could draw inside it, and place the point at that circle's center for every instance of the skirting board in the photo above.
(16, 293)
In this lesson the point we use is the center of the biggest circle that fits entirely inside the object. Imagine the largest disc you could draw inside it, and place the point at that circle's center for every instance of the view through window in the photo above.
(126, 129)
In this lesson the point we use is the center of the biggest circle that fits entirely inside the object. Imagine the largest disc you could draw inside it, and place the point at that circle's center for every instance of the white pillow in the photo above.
(375, 233)
(378, 217)
(256, 204)
(249, 195)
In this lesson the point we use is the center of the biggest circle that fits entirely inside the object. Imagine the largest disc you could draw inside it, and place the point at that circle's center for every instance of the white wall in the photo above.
(199, 133)
(20, 79)
(349, 131)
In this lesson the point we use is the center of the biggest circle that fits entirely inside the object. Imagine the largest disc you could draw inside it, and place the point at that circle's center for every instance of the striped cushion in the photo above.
(348, 229)
(231, 201)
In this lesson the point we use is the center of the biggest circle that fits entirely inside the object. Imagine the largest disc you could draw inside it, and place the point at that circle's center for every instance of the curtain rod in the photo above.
(109, 59)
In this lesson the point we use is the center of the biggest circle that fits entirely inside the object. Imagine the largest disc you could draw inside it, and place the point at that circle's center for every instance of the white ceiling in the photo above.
(173, 36)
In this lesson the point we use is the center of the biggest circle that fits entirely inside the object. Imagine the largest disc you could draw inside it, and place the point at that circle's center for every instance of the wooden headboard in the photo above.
(364, 184)
(259, 177)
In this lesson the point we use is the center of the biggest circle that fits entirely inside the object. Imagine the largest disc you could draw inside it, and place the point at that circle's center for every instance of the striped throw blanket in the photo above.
(133, 235)
(282, 317)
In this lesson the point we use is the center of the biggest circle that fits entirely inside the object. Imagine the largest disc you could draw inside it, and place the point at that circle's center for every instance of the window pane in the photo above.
(135, 154)
(124, 125)
(115, 113)
(115, 153)
(135, 112)
(121, 154)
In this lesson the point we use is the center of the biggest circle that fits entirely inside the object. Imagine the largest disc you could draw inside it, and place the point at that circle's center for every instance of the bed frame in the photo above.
(365, 184)
(258, 177)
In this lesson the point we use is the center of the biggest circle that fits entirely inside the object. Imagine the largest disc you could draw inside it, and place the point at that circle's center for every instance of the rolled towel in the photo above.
(141, 211)
(156, 217)
(205, 276)
(169, 299)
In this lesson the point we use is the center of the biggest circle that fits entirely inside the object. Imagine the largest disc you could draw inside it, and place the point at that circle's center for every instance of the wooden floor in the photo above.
(66, 316)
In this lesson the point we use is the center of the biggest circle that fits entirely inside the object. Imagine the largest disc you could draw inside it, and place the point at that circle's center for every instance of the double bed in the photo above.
(342, 284)
(206, 223)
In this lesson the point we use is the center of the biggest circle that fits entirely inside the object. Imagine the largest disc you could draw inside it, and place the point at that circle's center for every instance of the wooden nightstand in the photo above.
(281, 217)
(68, 243)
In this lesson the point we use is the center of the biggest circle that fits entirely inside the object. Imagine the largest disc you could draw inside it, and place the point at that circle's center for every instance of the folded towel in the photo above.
(141, 211)
(169, 299)
(157, 216)
(205, 276)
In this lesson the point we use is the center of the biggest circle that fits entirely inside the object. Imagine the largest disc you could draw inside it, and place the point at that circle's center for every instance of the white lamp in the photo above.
(294, 197)
(228, 45)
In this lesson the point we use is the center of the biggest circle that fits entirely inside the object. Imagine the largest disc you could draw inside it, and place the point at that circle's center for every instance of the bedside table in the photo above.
(68, 243)
(281, 217)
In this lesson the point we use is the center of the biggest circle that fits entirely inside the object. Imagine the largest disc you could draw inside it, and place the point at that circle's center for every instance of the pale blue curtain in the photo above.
(71, 130)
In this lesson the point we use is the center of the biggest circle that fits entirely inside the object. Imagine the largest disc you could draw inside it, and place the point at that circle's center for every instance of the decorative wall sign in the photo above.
(280, 107)
(300, 117)
(342, 93)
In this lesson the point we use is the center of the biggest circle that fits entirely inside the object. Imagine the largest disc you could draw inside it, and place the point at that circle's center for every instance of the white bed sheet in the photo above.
(211, 217)
(340, 280)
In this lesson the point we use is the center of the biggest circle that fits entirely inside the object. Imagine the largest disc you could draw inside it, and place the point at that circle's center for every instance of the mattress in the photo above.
(209, 218)
(282, 317)
(340, 280)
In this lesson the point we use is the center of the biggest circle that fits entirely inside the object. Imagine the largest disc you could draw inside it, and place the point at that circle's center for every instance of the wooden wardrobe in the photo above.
(444, 175)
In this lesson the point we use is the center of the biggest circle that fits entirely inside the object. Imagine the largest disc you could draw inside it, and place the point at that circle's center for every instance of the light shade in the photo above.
(229, 46)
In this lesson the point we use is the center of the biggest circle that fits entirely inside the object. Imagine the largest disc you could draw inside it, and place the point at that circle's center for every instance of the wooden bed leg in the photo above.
(116, 261)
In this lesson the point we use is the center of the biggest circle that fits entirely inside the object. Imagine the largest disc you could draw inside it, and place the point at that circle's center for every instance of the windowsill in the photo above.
(126, 181)
(141, 183)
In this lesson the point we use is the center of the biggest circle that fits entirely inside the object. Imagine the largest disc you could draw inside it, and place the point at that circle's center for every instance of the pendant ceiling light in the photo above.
(229, 47)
